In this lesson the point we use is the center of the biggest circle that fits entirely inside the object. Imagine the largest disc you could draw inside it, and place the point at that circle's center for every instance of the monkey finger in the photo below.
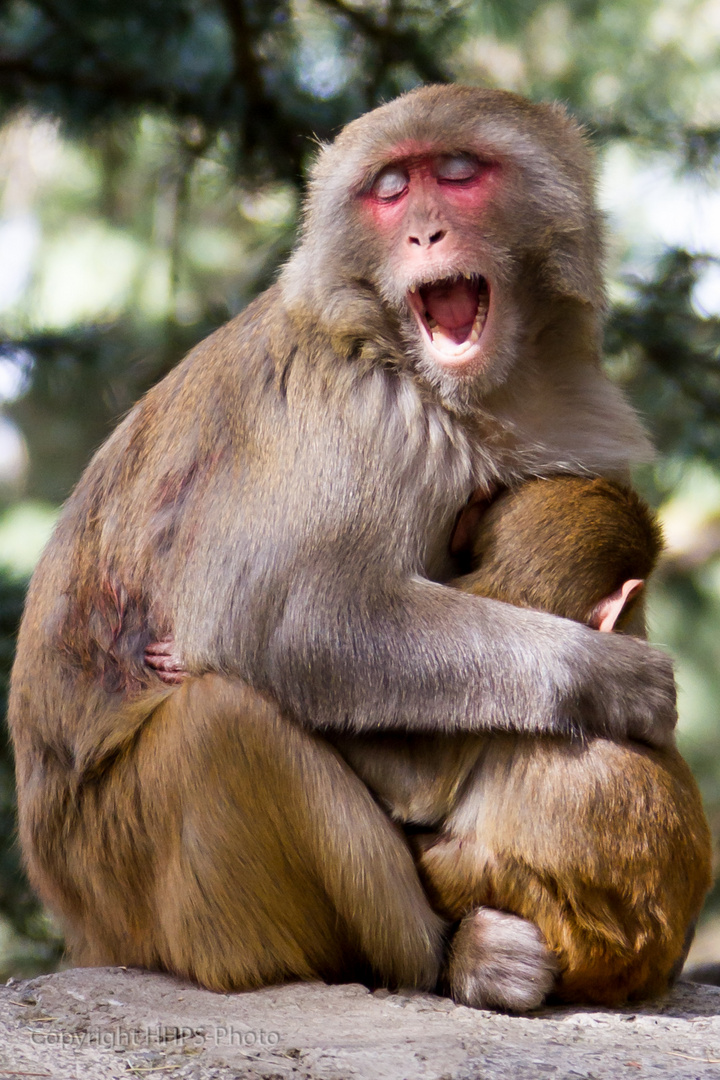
(165, 663)
(654, 717)
(169, 664)
(161, 648)
(635, 688)
(170, 676)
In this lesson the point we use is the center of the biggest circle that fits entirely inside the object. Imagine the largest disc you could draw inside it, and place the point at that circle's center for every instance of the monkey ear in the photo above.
(605, 614)
(468, 520)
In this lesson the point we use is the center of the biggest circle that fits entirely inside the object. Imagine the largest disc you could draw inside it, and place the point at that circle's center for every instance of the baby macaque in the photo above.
(603, 845)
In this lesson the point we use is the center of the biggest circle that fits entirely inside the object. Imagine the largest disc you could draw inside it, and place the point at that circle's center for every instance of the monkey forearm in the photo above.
(428, 658)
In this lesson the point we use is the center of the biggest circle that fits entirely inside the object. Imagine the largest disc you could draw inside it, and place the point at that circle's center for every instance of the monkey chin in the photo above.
(452, 315)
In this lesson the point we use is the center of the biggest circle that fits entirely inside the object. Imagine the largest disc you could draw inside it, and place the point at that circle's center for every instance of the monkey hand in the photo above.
(160, 656)
(629, 689)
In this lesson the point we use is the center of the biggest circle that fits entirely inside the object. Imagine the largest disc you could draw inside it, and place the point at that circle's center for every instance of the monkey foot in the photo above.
(499, 961)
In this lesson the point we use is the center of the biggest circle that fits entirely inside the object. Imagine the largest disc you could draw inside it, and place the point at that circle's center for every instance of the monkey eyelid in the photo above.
(458, 168)
(390, 183)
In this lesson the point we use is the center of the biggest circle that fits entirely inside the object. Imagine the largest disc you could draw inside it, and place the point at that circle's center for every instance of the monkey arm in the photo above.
(513, 685)
(424, 657)
(287, 551)
(305, 584)
(419, 656)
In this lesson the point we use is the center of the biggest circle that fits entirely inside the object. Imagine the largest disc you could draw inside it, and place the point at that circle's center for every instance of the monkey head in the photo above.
(453, 228)
(578, 547)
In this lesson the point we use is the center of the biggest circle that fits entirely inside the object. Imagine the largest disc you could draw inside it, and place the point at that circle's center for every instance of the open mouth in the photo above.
(452, 314)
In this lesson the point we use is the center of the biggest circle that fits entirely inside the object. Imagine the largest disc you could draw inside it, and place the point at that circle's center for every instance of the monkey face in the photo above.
(425, 207)
(440, 263)
(454, 220)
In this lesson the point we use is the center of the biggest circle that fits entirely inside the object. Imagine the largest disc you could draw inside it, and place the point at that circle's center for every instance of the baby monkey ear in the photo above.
(605, 615)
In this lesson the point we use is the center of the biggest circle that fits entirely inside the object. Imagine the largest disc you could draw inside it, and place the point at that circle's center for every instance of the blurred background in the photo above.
(152, 158)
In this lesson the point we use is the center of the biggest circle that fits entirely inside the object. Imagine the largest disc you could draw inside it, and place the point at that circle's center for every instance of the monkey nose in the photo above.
(425, 240)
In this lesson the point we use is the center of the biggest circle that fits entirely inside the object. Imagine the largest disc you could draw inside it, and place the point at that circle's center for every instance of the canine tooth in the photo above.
(474, 336)
(413, 288)
(468, 277)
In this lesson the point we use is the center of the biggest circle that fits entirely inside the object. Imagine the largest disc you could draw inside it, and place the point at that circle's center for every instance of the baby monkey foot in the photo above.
(499, 961)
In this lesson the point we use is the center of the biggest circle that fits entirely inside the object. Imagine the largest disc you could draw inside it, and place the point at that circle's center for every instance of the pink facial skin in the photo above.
(426, 206)
(467, 196)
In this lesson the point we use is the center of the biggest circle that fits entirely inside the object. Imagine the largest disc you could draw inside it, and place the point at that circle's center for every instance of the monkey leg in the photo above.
(245, 852)
(603, 846)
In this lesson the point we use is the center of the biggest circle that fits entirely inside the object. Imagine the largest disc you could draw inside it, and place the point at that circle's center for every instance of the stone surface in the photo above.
(112, 1022)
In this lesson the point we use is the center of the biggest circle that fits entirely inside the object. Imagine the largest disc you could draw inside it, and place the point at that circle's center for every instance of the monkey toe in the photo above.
(500, 961)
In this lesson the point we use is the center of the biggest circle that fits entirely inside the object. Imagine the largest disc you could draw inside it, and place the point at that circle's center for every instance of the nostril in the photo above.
(427, 241)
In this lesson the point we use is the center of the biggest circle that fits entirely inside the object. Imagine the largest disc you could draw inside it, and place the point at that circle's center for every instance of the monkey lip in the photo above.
(451, 314)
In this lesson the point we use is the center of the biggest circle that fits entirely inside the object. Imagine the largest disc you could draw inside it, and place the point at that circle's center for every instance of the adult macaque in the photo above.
(281, 506)
(604, 846)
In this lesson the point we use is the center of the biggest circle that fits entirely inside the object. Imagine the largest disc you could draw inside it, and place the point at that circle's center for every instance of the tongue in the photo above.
(453, 305)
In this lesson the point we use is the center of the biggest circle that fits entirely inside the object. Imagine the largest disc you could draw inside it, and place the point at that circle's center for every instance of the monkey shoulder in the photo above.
(569, 418)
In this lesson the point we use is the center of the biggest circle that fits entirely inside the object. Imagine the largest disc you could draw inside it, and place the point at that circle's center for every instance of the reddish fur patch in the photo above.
(104, 633)
(174, 485)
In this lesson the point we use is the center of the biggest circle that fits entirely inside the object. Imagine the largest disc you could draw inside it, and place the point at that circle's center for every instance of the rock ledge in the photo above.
(113, 1022)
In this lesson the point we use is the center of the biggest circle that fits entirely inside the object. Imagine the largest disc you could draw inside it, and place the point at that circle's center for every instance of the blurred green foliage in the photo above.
(152, 158)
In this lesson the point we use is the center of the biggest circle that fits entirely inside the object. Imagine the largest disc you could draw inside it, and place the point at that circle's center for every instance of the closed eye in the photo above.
(391, 183)
(457, 168)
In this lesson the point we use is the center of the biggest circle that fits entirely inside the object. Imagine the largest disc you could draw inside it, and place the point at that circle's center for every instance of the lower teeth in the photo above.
(441, 340)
